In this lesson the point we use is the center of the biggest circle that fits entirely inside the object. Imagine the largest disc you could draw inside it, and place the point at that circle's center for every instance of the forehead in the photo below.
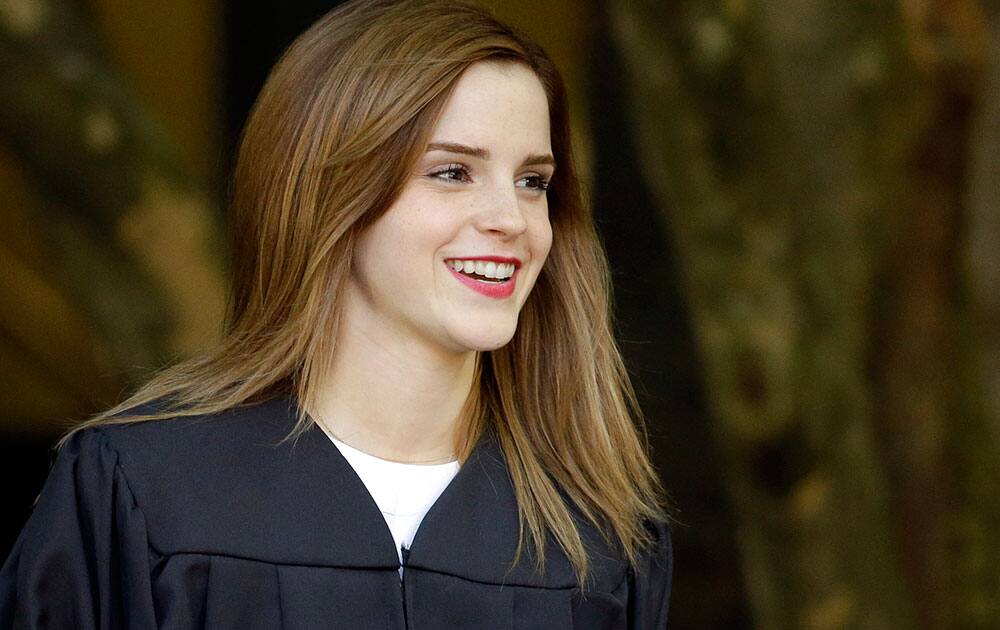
(496, 103)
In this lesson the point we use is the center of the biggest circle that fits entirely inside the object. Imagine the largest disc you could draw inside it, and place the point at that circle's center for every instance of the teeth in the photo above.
(500, 271)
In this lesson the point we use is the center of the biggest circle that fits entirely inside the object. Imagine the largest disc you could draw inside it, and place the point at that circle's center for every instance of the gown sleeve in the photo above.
(650, 582)
(82, 559)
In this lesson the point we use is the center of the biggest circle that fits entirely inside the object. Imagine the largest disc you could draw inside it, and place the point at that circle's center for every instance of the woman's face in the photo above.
(476, 196)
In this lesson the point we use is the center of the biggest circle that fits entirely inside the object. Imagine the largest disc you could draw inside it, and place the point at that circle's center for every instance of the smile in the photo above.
(483, 269)
(489, 278)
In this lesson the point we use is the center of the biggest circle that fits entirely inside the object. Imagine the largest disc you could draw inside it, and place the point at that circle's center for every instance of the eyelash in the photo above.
(541, 186)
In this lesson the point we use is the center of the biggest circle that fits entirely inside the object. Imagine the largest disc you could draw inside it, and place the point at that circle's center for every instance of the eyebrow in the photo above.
(483, 154)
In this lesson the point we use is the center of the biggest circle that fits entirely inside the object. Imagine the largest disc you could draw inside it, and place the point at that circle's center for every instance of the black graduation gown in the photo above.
(207, 523)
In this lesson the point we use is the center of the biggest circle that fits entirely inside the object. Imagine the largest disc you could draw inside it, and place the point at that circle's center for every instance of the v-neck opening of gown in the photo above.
(404, 493)
(361, 487)
(399, 489)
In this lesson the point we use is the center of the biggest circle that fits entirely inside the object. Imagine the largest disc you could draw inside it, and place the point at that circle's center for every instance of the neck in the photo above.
(389, 395)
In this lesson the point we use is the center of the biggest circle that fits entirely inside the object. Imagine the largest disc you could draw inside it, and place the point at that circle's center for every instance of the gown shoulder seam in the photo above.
(106, 442)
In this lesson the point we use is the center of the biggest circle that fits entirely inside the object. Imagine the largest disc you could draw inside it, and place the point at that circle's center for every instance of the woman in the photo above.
(417, 416)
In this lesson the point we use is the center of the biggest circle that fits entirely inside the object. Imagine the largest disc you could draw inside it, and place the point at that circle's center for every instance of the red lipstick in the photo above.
(489, 289)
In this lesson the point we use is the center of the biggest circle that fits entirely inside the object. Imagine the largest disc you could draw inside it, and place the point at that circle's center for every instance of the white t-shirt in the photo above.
(403, 492)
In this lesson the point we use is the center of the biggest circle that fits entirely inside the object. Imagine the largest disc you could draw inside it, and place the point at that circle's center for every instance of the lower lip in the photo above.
(489, 289)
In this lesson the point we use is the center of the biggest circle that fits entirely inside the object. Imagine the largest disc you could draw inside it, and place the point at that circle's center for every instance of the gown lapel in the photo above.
(471, 530)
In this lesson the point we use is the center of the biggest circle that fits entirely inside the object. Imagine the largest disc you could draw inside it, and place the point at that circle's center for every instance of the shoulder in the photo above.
(660, 548)
(166, 456)
(200, 480)
(655, 559)
(185, 439)
(652, 577)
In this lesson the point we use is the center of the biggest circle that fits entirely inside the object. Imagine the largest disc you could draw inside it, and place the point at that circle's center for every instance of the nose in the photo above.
(502, 212)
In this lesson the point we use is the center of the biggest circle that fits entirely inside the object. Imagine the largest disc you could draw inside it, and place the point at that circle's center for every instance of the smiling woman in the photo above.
(418, 415)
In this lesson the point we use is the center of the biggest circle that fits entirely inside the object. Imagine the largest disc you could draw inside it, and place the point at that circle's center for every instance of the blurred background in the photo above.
(799, 200)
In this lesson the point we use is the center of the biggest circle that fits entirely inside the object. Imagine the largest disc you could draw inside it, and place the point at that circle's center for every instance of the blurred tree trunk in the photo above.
(810, 160)
(134, 250)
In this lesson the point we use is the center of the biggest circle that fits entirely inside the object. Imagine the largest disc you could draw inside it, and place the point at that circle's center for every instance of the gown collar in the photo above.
(471, 530)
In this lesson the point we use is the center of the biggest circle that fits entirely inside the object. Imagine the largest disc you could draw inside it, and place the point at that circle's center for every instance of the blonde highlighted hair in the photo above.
(336, 130)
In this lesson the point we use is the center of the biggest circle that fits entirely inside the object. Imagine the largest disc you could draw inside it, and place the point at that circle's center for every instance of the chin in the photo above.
(485, 340)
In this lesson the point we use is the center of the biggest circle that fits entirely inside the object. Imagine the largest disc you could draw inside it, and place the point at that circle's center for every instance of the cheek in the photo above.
(402, 237)
(381, 255)
(541, 241)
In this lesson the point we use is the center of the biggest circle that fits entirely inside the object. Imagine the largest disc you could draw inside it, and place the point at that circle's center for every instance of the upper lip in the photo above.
(496, 259)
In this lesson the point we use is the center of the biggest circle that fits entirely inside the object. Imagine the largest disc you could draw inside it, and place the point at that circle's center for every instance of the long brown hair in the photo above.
(336, 130)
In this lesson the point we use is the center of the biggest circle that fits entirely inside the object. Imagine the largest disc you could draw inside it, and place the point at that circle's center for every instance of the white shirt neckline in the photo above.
(403, 492)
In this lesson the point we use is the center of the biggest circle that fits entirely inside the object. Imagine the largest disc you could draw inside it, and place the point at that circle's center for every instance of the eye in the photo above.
(453, 173)
(536, 182)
